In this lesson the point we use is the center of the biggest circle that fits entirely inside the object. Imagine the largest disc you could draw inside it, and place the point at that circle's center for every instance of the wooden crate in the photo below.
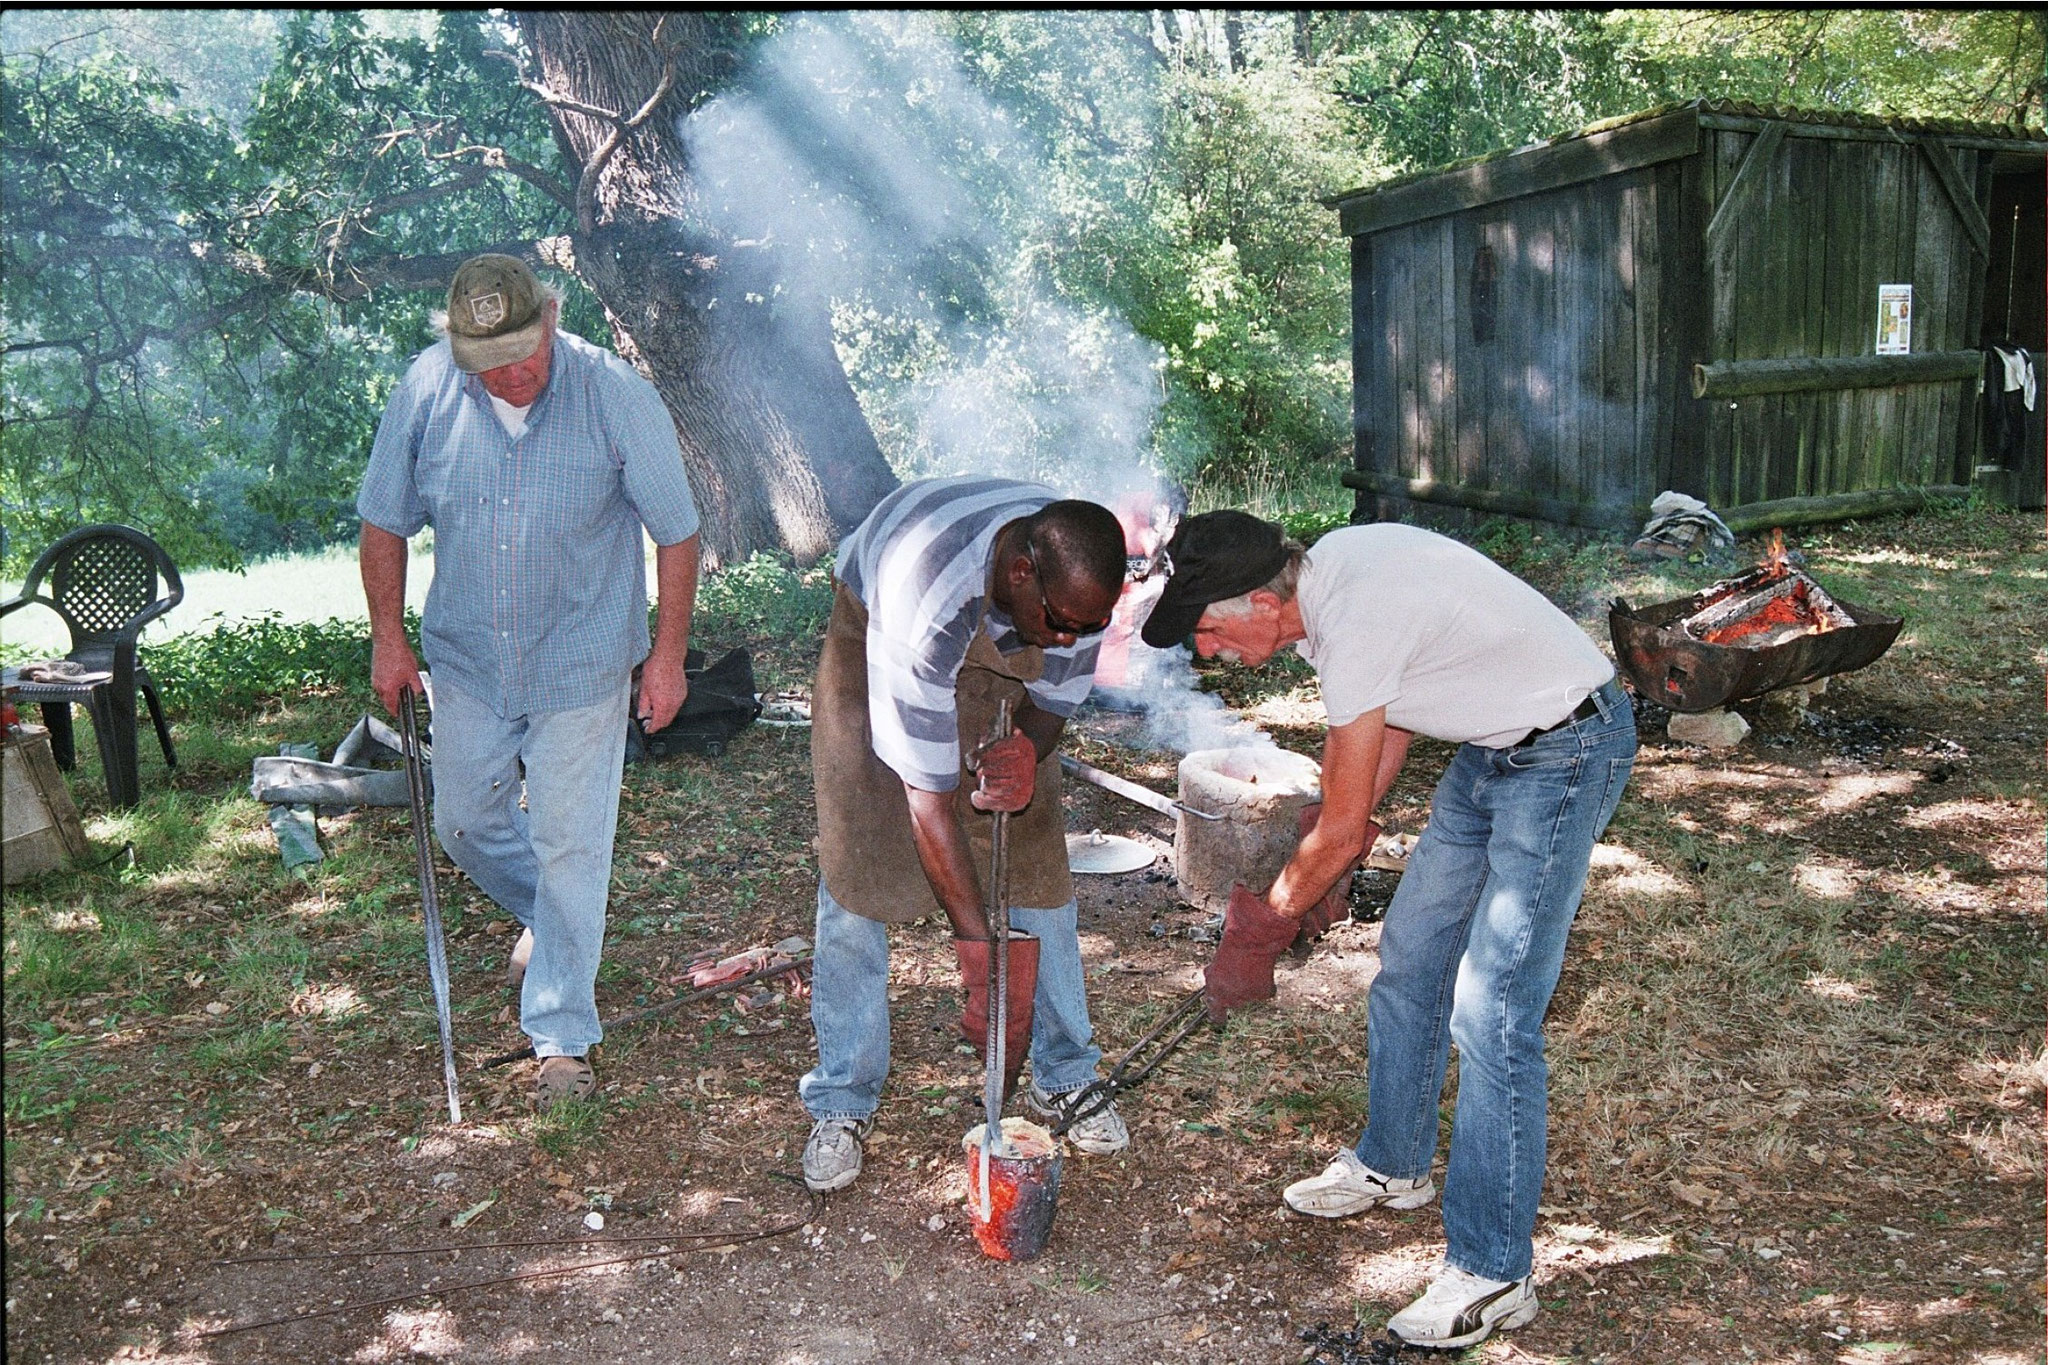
(43, 832)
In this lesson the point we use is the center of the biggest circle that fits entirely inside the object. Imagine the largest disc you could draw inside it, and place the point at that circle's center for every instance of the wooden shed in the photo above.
(1779, 311)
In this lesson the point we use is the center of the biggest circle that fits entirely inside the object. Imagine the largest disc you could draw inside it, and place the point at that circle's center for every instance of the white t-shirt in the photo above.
(510, 416)
(1454, 646)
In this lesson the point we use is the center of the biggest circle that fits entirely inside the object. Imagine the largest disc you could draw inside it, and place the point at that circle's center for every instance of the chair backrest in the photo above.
(104, 581)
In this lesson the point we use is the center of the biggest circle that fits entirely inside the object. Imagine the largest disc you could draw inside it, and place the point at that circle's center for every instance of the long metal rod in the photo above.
(651, 1011)
(1130, 791)
(442, 1291)
(996, 899)
(430, 899)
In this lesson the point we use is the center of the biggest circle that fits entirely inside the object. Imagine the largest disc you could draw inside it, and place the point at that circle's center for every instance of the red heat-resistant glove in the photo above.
(1335, 906)
(1008, 769)
(1254, 936)
(1022, 984)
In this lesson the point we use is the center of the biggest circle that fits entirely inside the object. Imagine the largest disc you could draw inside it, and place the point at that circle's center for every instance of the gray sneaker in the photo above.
(1347, 1186)
(1100, 1134)
(832, 1154)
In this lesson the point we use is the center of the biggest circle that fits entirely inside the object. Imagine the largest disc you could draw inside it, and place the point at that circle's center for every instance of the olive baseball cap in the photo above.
(497, 311)
(1216, 556)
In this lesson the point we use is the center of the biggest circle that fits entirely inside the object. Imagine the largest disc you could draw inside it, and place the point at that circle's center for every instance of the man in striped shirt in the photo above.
(953, 597)
(537, 458)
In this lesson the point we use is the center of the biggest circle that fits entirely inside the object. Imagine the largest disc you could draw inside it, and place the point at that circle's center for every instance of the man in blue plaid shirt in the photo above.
(537, 458)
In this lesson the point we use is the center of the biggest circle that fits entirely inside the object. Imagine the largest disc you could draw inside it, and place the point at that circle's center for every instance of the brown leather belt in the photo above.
(1585, 710)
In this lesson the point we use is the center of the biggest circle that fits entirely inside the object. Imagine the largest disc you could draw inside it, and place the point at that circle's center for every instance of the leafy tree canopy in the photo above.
(219, 229)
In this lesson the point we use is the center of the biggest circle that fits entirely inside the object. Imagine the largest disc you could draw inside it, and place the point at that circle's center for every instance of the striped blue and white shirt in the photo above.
(539, 599)
(920, 565)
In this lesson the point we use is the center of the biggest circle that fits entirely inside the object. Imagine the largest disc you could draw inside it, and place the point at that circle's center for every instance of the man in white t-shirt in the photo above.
(1414, 633)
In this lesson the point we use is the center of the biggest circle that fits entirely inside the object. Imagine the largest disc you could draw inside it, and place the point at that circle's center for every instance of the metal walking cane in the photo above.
(430, 900)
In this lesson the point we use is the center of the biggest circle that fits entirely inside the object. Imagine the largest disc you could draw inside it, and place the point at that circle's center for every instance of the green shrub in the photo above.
(238, 666)
(1310, 525)
(767, 595)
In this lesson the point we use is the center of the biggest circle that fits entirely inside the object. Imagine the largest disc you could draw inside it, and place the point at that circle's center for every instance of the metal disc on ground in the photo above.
(1099, 852)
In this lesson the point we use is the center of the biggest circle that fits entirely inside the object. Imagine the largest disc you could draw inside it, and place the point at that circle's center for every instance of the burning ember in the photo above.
(1769, 628)
(1767, 606)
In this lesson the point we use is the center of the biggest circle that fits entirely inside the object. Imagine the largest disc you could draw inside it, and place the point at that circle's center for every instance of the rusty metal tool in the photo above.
(430, 898)
(1130, 791)
(1145, 1057)
(996, 900)
(673, 1003)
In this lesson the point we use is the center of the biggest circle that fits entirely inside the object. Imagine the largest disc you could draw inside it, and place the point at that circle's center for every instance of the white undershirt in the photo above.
(513, 418)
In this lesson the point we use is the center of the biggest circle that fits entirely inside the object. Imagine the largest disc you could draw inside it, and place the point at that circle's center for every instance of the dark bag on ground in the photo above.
(721, 704)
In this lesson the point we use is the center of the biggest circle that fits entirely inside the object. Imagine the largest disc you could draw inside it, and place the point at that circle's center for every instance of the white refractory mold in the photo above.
(1258, 795)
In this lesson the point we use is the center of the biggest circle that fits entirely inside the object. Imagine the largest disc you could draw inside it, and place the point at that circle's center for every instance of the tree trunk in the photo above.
(778, 450)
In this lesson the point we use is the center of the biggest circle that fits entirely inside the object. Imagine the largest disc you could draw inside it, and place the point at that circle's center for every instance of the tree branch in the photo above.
(1401, 77)
(586, 186)
(554, 99)
(497, 158)
(59, 343)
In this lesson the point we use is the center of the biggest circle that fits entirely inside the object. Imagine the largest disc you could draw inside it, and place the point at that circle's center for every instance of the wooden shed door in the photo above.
(1804, 232)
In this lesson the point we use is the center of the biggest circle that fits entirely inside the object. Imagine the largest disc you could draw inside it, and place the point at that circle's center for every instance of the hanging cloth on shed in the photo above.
(2009, 390)
(2019, 372)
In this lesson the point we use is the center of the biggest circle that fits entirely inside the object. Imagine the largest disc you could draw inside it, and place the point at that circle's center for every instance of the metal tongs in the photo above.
(1145, 1057)
(430, 899)
(996, 908)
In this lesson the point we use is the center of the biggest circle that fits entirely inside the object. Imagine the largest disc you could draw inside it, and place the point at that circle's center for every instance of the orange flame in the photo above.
(1775, 560)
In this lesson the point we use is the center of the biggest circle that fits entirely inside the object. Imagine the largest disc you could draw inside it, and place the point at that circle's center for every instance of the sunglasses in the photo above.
(1059, 624)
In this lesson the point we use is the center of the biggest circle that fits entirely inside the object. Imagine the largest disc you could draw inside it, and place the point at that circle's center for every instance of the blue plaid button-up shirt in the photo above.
(539, 598)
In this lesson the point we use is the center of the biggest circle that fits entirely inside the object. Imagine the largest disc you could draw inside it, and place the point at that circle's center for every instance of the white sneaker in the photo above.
(1100, 1134)
(832, 1153)
(1347, 1186)
(1460, 1309)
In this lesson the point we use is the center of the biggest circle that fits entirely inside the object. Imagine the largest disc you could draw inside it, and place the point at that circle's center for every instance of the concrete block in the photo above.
(1717, 729)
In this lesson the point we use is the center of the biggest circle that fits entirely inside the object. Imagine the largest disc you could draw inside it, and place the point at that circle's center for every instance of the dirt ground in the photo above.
(1796, 1113)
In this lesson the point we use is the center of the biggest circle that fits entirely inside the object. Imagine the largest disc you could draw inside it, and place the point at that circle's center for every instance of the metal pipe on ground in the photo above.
(652, 1011)
(1130, 791)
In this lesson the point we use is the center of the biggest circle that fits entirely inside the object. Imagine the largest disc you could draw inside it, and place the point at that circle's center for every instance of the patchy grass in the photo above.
(1305, 497)
(565, 1127)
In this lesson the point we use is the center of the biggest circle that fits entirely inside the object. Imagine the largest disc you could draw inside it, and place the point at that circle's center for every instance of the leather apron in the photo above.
(865, 849)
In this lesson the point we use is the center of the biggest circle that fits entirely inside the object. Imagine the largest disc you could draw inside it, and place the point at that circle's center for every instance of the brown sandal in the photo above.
(563, 1078)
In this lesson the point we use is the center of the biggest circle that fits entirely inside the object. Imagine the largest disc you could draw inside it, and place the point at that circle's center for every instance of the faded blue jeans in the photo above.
(1470, 953)
(550, 864)
(850, 1009)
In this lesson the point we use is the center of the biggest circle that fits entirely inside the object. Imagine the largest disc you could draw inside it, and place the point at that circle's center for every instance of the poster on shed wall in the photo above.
(1894, 319)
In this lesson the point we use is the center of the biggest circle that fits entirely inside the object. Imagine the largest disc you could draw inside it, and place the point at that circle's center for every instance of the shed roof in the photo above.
(1638, 139)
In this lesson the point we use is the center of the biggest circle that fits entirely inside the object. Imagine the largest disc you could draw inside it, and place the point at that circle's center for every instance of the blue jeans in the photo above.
(1470, 953)
(850, 1009)
(550, 864)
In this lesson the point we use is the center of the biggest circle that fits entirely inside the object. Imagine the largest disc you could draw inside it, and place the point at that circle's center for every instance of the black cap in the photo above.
(1215, 556)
